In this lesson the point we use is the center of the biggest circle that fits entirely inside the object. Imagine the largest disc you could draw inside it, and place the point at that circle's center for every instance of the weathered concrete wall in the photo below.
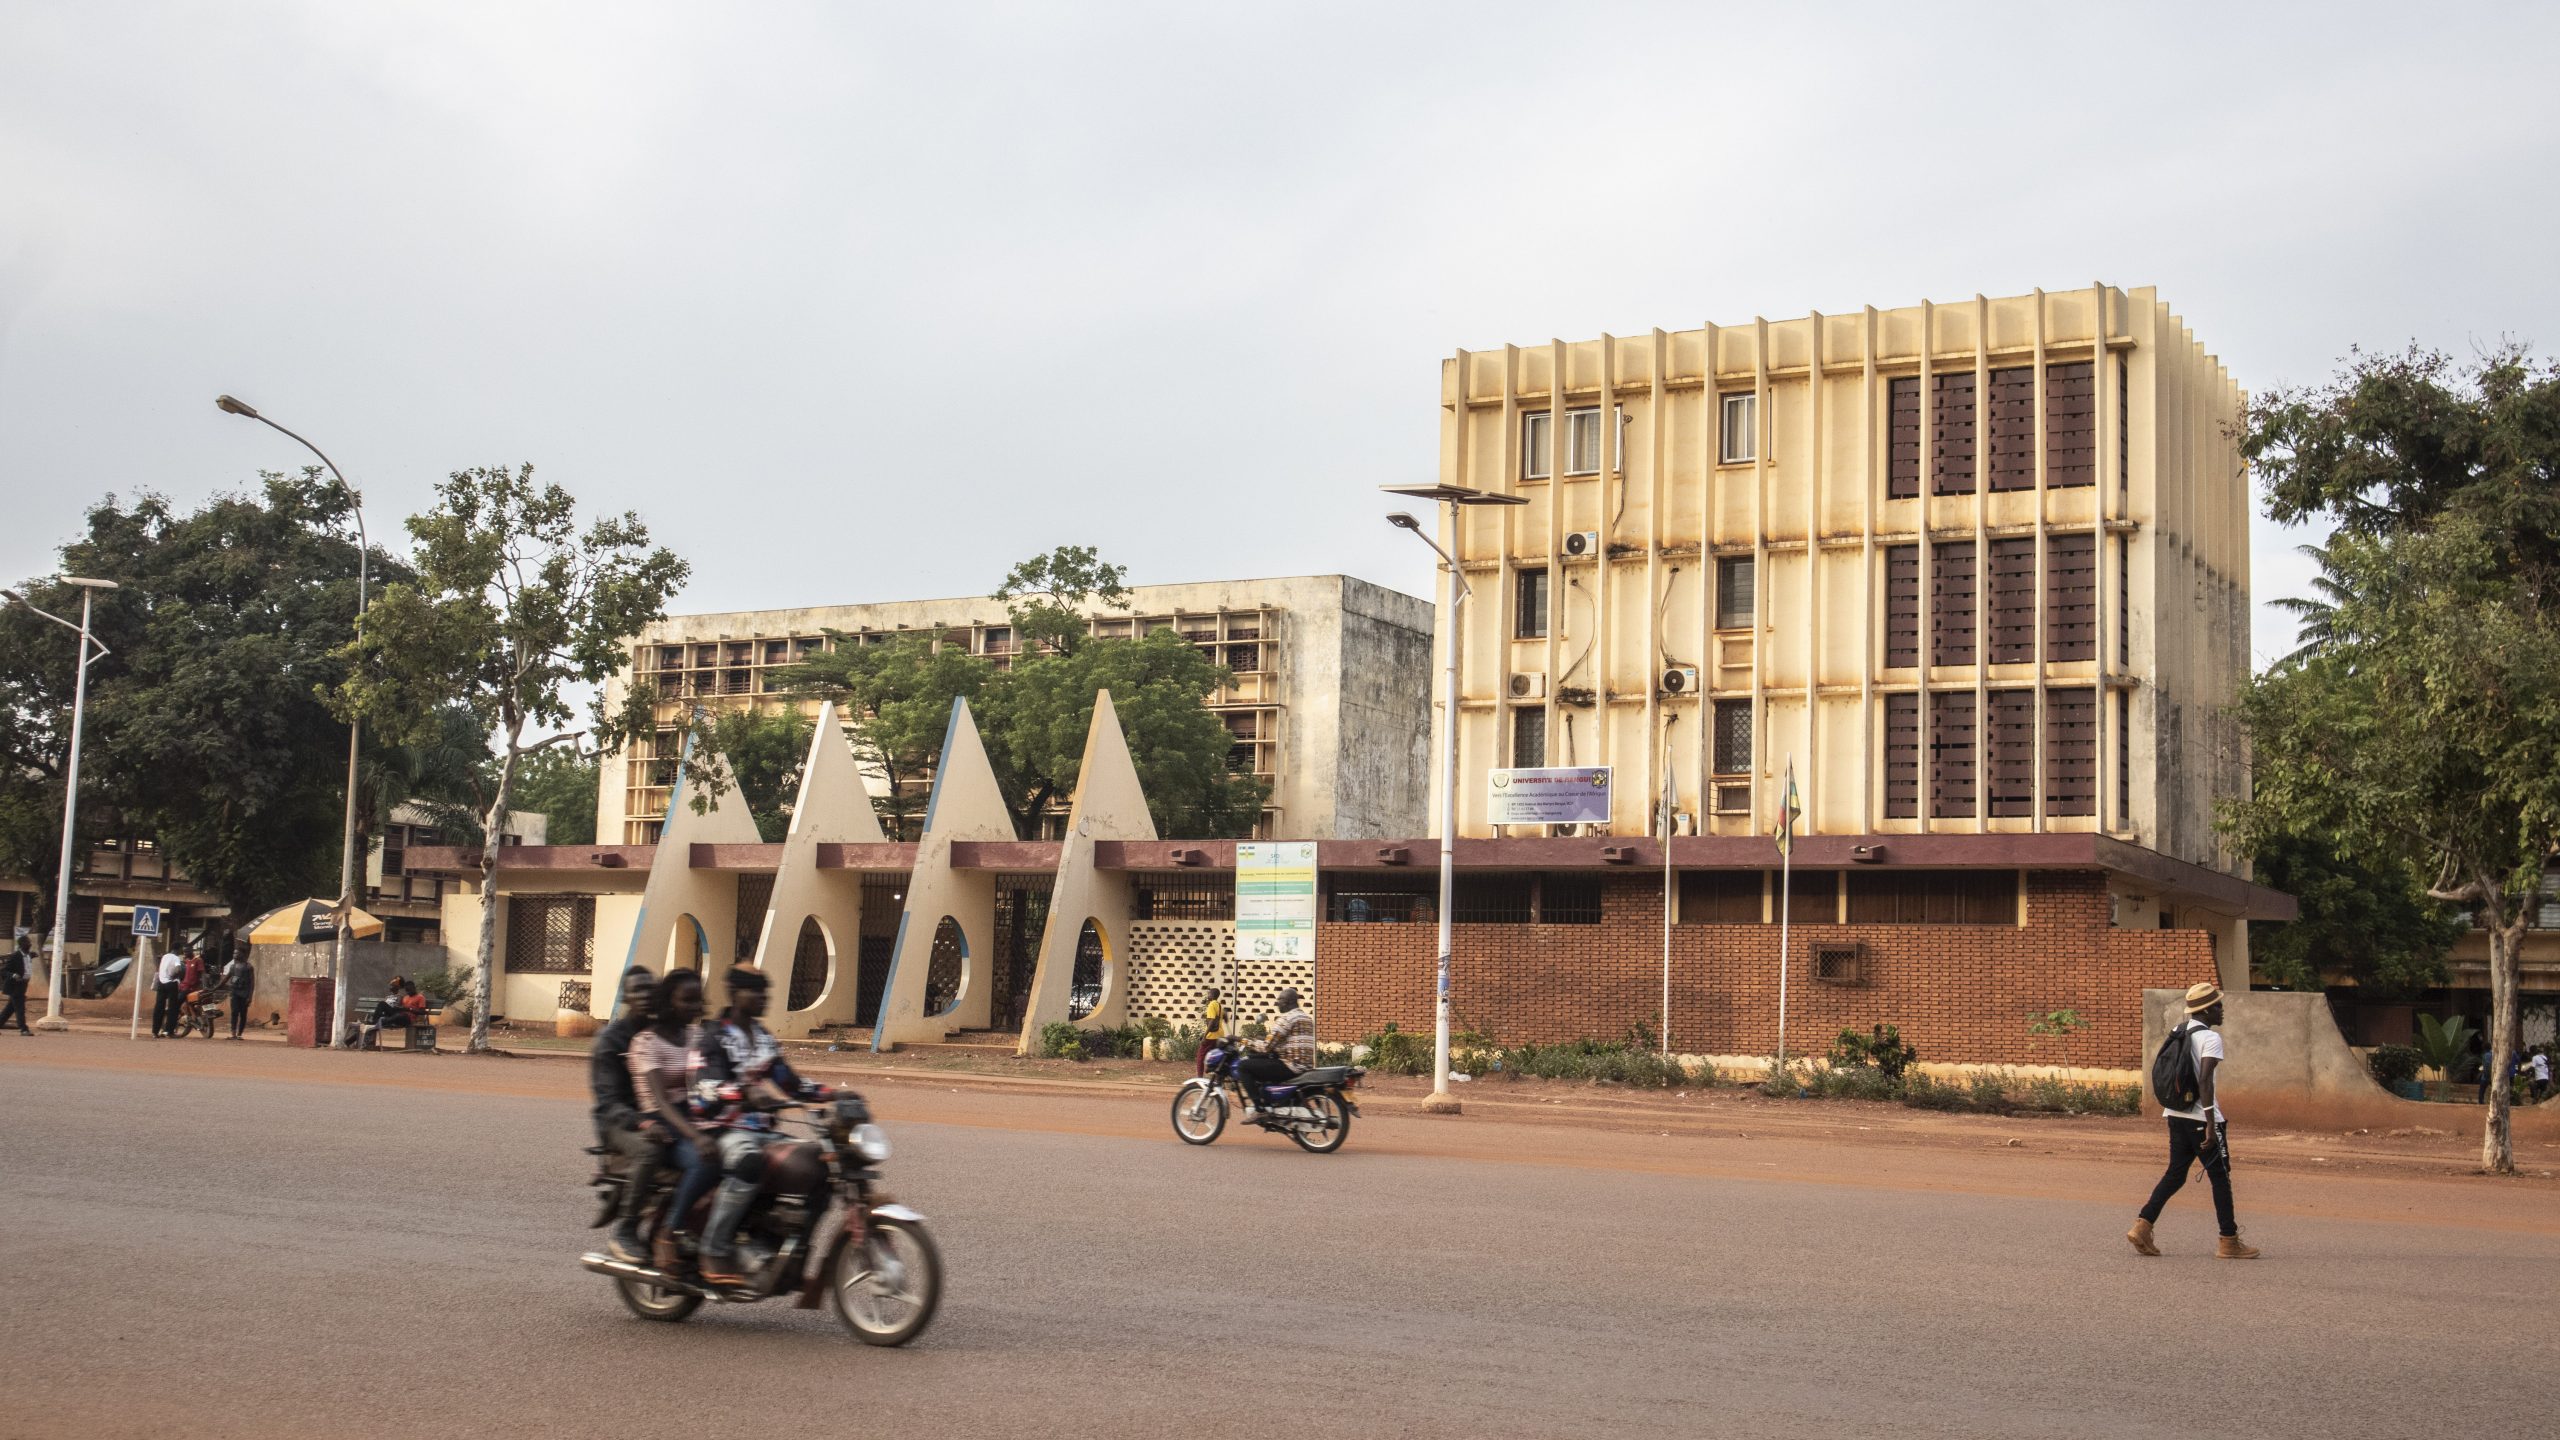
(1382, 778)
(369, 971)
(2287, 1067)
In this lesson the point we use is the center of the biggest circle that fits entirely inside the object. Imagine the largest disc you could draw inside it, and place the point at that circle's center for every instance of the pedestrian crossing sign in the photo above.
(146, 921)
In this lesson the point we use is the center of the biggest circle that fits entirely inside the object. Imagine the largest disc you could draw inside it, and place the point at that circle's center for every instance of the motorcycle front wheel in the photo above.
(1332, 1127)
(887, 1288)
(647, 1301)
(1199, 1112)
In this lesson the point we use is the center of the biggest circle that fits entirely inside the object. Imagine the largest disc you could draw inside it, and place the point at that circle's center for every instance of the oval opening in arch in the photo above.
(949, 971)
(1093, 971)
(813, 964)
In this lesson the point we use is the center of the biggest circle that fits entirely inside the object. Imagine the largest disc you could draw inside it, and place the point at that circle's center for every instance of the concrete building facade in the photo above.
(1326, 705)
(1978, 569)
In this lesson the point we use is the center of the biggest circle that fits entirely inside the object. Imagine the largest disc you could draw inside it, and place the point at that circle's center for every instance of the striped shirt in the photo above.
(1293, 1038)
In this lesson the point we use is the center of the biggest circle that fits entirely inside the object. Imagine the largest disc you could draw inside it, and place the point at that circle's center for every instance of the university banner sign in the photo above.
(1567, 796)
(1276, 900)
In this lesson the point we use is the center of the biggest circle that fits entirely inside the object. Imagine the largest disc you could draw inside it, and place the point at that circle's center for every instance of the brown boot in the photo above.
(2232, 1249)
(669, 1258)
(2140, 1235)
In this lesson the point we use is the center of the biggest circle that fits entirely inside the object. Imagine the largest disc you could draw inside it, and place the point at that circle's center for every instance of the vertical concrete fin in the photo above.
(1110, 804)
(834, 808)
(677, 895)
(965, 804)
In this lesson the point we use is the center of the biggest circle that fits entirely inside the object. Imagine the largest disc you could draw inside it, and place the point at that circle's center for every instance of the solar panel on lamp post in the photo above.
(1450, 498)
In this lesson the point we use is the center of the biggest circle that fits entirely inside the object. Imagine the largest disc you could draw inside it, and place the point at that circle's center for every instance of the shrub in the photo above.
(1060, 1040)
(1854, 1082)
(1922, 1093)
(1782, 1082)
(1882, 1049)
(2393, 1065)
(1989, 1093)
(1618, 1062)
(1397, 1052)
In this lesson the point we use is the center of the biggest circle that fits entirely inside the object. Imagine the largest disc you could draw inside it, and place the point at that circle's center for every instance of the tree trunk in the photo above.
(493, 836)
(2506, 957)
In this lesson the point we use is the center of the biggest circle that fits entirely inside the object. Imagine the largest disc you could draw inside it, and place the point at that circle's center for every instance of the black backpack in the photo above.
(2173, 1070)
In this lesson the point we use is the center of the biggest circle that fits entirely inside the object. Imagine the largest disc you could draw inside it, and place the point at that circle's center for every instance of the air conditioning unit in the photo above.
(1529, 685)
(1680, 680)
(1582, 542)
(1684, 822)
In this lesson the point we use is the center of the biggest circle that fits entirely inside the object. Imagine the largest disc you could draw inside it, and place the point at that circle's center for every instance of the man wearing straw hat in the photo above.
(2196, 1131)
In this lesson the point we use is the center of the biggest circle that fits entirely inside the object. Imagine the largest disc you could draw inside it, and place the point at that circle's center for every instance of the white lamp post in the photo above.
(90, 652)
(1450, 497)
(342, 956)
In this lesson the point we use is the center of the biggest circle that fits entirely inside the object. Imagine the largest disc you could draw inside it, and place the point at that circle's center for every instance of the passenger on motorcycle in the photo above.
(1288, 1046)
(662, 1059)
(739, 1062)
(620, 1127)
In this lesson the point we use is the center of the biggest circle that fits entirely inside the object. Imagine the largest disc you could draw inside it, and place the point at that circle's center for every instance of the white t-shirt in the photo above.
(171, 967)
(2541, 1067)
(2208, 1046)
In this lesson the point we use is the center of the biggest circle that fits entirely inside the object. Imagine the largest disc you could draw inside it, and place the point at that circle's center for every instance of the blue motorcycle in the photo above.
(1313, 1107)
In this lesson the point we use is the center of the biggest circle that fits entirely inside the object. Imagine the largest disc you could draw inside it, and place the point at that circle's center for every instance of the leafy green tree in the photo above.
(1039, 711)
(513, 605)
(561, 784)
(2371, 924)
(2425, 730)
(896, 696)
(1051, 597)
(206, 729)
(765, 751)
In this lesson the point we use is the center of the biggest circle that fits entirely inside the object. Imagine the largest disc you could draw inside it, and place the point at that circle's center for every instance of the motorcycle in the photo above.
(880, 1266)
(1313, 1108)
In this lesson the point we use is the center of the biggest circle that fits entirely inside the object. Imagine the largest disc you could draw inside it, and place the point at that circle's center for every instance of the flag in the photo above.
(1670, 794)
(1789, 807)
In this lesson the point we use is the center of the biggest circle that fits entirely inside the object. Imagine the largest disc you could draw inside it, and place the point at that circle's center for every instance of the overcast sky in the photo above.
(865, 302)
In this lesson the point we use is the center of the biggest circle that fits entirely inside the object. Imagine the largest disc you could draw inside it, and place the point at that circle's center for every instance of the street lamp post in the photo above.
(342, 958)
(1450, 497)
(70, 790)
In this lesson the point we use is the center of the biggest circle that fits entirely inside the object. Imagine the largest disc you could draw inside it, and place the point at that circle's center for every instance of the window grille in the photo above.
(1529, 737)
(1841, 964)
(1568, 897)
(1901, 606)
(1952, 589)
(1493, 899)
(1181, 895)
(551, 934)
(1382, 899)
(1951, 757)
(2070, 424)
(1951, 433)
(1720, 897)
(2071, 751)
(2013, 428)
(2013, 600)
(1733, 737)
(2071, 597)
(2012, 754)
(1902, 427)
(1933, 897)
(1902, 756)
(755, 896)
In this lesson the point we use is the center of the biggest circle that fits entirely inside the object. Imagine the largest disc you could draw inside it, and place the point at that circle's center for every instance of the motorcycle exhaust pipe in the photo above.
(604, 1264)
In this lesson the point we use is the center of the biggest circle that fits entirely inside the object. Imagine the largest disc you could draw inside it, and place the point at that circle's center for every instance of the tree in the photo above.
(512, 605)
(1048, 597)
(1039, 711)
(896, 698)
(206, 730)
(2313, 615)
(764, 751)
(2425, 731)
(2368, 923)
(561, 783)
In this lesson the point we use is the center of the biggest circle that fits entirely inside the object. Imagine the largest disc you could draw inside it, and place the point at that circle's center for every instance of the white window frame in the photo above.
(1737, 444)
(1537, 445)
(1581, 423)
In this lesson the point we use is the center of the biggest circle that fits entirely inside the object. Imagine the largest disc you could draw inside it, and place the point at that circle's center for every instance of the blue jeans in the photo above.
(701, 1172)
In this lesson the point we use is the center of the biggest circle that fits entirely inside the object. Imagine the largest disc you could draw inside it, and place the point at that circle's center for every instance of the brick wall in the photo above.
(1960, 993)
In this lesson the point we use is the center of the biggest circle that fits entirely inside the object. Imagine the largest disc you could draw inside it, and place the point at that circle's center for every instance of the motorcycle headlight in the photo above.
(871, 1143)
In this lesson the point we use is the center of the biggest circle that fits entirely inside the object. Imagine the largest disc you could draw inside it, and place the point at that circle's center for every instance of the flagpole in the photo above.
(1670, 809)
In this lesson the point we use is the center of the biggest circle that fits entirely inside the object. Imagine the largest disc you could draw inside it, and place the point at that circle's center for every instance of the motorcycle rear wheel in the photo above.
(1199, 1112)
(1333, 1124)
(670, 1307)
(879, 1314)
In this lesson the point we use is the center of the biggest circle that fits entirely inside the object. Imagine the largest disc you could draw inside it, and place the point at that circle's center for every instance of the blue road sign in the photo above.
(146, 920)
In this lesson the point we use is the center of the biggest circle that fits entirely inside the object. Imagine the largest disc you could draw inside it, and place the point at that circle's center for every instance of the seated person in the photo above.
(398, 1010)
(1288, 1047)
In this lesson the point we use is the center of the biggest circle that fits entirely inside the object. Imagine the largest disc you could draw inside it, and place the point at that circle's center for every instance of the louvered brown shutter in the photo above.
(1901, 606)
(1952, 431)
(1951, 604)
(2012, 752)
(2013, 600)
(2070, 424)
(1902, 430)
(2071, 751)
(2071, 597)
(2013, 428)
(1902, 756)
(1951, 769)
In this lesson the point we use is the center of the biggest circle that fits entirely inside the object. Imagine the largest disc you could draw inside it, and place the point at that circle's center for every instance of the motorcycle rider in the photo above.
(738, 1059)
(1288, 1046)
(662, 1058)
(620, 1127)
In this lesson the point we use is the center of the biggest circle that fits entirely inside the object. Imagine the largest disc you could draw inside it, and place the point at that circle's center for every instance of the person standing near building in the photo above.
(240, 981)
(166, 994)
(14, 970)
(2197, 1133)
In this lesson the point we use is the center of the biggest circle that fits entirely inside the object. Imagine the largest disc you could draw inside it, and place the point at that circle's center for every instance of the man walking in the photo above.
(240, 981)
(2196, 1130)
(14, 970)
(166, 995)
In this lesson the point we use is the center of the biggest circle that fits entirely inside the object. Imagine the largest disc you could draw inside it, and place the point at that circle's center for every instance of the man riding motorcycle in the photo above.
(1288, 1046)
(739, 1059)
(620, 1127)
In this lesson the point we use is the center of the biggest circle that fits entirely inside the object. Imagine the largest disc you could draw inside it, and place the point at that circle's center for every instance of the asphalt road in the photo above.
(237, 1254)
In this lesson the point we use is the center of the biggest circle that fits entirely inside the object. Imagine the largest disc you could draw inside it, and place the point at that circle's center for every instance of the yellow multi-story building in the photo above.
(1977, 568)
